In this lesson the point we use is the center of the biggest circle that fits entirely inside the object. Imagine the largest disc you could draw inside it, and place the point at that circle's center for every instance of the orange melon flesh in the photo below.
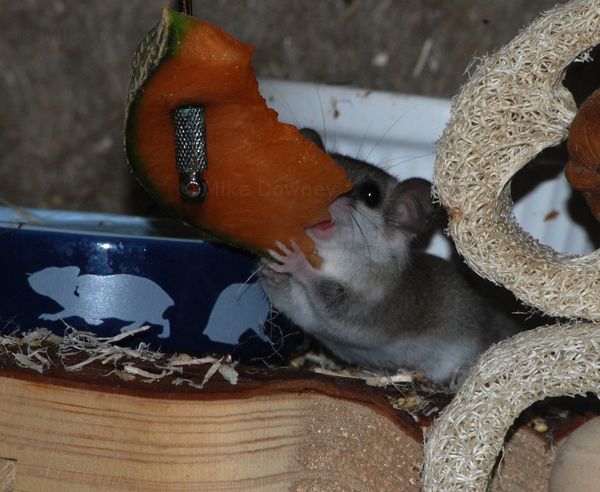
(266, 183)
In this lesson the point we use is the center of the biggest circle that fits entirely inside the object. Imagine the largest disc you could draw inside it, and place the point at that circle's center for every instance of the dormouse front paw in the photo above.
(271, 277)
(291, 261)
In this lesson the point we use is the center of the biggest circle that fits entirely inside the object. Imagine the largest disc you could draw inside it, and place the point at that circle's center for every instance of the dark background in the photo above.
(65, 69)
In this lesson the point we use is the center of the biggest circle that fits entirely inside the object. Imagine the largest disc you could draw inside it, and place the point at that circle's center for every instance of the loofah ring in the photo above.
(461, 449)
(514, 106)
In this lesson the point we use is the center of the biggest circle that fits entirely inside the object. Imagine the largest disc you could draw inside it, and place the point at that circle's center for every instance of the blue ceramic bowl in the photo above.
(108, 273)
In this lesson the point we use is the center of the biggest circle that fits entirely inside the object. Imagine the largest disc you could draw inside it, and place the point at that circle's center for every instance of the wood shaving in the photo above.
(211, 371)
(24, 361)
(126, 362)
(39, 355)
(189, 382)
(124, 335)
(329, 372)
(188, 360)
(383, 381)
(7, 341)
(83, 363)
(229, 373)
(409, 402)
(129, 368)
(124, 376)
(320, 363)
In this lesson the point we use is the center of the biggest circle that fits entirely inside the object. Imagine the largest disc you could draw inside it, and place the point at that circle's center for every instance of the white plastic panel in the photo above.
(399, 133)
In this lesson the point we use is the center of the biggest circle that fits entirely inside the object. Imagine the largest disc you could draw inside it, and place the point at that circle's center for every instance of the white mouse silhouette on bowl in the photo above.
(98, 297)
(238, 308)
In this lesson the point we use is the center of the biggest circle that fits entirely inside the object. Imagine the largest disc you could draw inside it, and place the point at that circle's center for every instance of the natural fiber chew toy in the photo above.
(463, 446)
(258, 180)
(583, 169)
(513, 106)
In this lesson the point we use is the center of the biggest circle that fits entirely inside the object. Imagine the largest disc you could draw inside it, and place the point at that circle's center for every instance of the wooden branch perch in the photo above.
(276, 429)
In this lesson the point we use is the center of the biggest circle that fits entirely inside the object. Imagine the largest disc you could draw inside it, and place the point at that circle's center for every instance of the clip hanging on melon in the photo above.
(261, 181)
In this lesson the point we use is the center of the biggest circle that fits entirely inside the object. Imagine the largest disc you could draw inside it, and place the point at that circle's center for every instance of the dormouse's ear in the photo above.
(413, 208)
(313, 136)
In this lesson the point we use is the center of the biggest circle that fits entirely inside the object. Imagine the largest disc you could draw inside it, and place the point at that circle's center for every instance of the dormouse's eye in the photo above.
(370, 194)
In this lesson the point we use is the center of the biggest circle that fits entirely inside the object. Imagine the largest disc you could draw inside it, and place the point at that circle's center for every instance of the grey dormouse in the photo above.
(376, 301)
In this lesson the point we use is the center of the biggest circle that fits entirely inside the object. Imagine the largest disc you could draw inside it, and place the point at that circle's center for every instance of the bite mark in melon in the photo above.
(266, 182)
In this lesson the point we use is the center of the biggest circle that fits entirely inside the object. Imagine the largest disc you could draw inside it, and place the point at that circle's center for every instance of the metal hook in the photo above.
(184, 6)
(190, 140)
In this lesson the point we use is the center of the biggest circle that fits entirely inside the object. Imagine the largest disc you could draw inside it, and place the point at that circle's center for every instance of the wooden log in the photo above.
(276, 429)
(74, 436)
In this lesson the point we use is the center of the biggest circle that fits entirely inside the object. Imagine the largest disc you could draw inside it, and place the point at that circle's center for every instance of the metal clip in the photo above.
(190, 152)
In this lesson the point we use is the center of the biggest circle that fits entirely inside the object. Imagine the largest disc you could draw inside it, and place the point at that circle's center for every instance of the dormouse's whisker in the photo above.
(404, 161)
(388, 131)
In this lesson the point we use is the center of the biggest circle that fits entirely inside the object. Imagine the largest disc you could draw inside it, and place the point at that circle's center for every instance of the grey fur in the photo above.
(376, 301)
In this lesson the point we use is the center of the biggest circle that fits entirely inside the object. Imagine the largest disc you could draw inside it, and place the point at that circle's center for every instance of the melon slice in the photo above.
(266, 182)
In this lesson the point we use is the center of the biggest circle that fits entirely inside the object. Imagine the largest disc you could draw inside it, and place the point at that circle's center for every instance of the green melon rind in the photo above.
(160, 44)
(146, 59)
